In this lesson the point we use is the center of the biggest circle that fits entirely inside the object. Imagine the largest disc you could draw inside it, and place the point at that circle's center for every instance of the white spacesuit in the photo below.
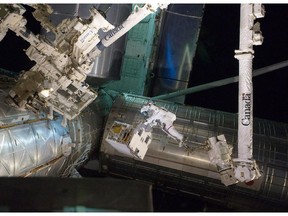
(163, 118)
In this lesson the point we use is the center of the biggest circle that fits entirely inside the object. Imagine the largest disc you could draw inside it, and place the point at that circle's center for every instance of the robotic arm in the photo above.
(57, 81)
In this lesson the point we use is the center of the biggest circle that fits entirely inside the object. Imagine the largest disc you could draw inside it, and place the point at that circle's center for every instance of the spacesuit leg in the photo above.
(174, 133)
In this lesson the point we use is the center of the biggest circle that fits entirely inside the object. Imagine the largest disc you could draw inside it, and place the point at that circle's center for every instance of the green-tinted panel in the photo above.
(138, 55)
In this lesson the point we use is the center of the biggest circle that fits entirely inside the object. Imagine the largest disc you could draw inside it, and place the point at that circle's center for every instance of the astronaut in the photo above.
(163, 118)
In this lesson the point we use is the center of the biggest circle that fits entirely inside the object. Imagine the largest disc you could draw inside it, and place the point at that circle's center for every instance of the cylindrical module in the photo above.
(33, 145)
(190, 170)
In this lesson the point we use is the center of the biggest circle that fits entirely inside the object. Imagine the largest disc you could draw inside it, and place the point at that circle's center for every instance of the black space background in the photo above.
(214, 60)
